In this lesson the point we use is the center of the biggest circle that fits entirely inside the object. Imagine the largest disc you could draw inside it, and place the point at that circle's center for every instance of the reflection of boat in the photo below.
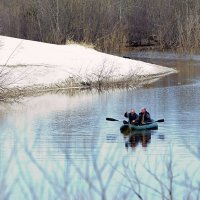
(142, 137)
(125, 129)
(149, 126)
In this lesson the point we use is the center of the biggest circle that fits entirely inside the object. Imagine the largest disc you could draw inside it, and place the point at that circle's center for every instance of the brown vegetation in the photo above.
(108, 24)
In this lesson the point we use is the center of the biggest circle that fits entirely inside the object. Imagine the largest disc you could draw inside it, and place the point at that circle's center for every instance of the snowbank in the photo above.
(30, 63)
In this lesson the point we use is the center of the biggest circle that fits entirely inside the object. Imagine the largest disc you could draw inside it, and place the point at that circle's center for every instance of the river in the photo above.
(60, 146)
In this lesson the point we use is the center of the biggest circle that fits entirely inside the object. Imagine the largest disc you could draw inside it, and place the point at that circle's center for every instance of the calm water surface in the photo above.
(59, 146)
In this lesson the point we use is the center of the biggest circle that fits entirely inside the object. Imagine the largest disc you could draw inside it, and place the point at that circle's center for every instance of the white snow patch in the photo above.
(32, 63)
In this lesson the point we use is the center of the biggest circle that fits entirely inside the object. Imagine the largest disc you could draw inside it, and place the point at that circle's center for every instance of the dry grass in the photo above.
(99, 81)
(85, 44)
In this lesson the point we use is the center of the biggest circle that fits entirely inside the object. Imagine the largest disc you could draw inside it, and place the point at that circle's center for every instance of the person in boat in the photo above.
(132, 116)
(144, 117)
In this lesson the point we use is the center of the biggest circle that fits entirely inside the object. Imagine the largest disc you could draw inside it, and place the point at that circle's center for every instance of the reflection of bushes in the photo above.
(150, 177)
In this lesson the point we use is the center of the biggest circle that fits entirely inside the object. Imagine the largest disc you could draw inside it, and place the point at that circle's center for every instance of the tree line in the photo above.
(108, 24)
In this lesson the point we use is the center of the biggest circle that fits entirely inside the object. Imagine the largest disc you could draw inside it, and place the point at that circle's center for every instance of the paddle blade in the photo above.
(111, 119)
(160, 120)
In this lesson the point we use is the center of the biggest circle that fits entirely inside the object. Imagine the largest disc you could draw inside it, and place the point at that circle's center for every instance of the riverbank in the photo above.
(30, 65)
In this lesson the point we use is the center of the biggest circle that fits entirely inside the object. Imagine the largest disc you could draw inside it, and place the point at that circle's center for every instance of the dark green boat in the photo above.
(149, 126)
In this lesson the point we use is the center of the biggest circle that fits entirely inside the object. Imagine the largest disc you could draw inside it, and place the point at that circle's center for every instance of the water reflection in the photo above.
(133, 138)
(188, 66)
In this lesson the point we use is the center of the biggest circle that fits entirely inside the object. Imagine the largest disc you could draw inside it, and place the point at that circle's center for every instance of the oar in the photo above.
(125, 122)
(160, 120)
(112, 119)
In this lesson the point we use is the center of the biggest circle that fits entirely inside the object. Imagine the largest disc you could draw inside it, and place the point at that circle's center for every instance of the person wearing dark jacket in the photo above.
(132, 116)
(144, 117)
